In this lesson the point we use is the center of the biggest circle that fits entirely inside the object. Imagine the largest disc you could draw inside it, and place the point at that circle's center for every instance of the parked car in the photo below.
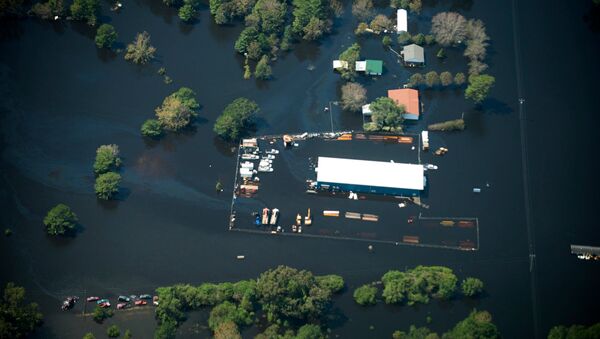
(124, 298)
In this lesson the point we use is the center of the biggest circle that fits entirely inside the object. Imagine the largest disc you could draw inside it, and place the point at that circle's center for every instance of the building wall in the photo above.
(367, 189)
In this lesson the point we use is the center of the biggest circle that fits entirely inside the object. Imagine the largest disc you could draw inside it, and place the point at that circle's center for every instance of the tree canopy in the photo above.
(107, 159)
(471, 286)
(263, 70)
(350, 56)
(365, 295)
(311, 18)
(479, 87)
(229, 312)
(332, 282)
(478, 325)
(140, 51)
(177, 110)
(107, 185)
(386, 114)
(575, 332)
(85, 10)
(236, 118)
(418, 285)
(449, 28)
(151, 128)
(60, 220)
(106, 35)
(354, 96)
(17, 318)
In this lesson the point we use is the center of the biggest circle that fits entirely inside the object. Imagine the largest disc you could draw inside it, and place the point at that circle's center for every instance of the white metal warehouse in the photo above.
(367, 176)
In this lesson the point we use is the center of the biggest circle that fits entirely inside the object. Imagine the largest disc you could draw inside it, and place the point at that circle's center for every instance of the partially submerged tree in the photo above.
(152, 128)
(416, 80)
(404, 38)
(178, 110)
(140, 51)
(446, 78)
(107, 159)
(381, 23)
(49, 9)
(362, 9)
(365, 295)
(471, 286)
(60, 220)
(107, 185)
(350, 56)
(106, 35)
(432, 79)
(477, 325)
(263, 70)
(479, 87)
(449, 28)
(354, 96)
(17, 318)
(236, 118)
(386, 114)
(85, 10)
(459, 79)
(311, 18)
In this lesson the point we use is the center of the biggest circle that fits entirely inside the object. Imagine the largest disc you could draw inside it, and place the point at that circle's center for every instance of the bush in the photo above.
(187, 13)
(236, 118)
(106, 35)
(386, 41)
(140, 51)
(354, 96)
(416, 80)
(429, 39)
(479, 87)
(418, 39)
(333, 283)
(361, 28)
(60, 220)
(107, 185)
(127, 335)
(365, 295)
(263, 70)
(450, 125)
(107, 159)
(471, 286)
(113, 331)
(178, 109)
(441, 54)
(89, 335)
(151, 128)
(404, 38)
(446, 78)
(100, 314)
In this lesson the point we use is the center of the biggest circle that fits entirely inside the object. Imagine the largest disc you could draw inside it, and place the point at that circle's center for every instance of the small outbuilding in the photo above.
(401, 21)
(366, 110)
(340, 64)
(409, 98)
(413, 55)
(370, 67)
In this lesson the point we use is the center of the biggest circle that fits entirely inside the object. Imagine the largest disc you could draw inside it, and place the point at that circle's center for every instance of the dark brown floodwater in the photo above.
(61, 98)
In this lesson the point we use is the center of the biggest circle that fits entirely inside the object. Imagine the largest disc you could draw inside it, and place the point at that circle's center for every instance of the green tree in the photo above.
(459, 78)
(140, 51)
(127, 334)
(404, 38)
(354, 96)
(287, 39)
(310, 331)
(263, 70)
(226, 312)
(248, 35)
(333, 283)
(113, 331)
(311, 18)
(85, 10)
(60, 220)
(479, 87)
(48, 10)
(17, 319)
(429, 39)
(107, 185)
(418, 39)
(236, 118)
(107, 159)
(106, 35)
(432, 79)
(89, 335)
(416, 80)
(477, 325)
(575, 332)
(285, 292)
(187, 13)
(381, 23)
(386, 41)
(350, 56)
(100, 314)
(416, 333)
(386, 114)
(471, 287)
(361, 28)
(270, 15)
(151, 128)
(446, 78)
(178, 110)
(365, 295)
(418, 285)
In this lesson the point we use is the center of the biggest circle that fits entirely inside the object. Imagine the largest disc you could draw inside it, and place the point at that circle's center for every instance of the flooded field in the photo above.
(60, 98)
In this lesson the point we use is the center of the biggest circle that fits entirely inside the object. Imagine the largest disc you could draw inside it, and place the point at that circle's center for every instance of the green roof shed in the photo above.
(374, 67)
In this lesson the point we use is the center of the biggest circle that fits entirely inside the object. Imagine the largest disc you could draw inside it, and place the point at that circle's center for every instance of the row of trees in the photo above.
(106, 165)
(433, 79)
(284, 294)
(417, 285)
(477, 325)
(404, 38)
(81, 10)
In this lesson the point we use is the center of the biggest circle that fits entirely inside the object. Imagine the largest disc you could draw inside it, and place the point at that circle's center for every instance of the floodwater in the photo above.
(61, 98)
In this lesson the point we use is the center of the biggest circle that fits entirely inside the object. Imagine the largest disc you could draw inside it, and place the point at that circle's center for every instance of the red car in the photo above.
(121, 306)
(105, 304)
(93, 298)
(141, 302)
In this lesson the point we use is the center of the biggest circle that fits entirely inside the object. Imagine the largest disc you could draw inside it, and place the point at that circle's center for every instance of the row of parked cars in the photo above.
(123, 301)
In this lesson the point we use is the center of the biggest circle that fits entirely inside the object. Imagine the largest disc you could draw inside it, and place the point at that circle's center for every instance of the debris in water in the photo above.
(311, 67)
(476, 190)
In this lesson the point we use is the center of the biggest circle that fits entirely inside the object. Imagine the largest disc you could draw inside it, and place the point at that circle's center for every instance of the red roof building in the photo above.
(409, 98)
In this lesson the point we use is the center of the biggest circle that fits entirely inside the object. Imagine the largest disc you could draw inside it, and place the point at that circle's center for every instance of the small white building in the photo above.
(340, 64)
(360, 66)
(402, 21)
(366, 110)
